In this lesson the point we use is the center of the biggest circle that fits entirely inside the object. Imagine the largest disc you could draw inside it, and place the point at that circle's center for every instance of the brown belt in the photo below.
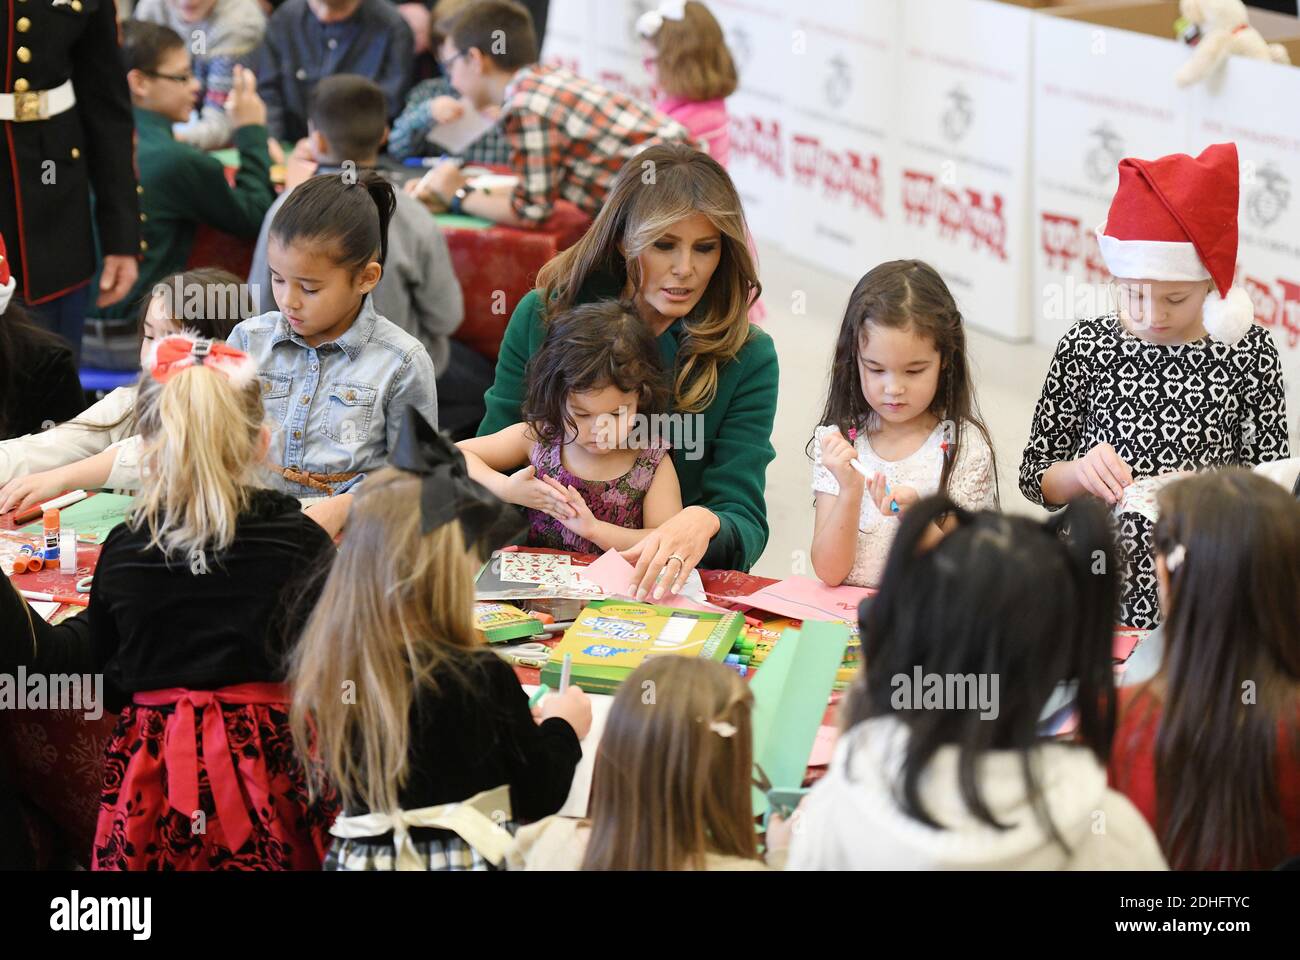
(317, 481)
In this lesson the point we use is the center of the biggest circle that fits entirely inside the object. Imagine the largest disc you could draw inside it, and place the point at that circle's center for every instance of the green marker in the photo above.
(536, 698)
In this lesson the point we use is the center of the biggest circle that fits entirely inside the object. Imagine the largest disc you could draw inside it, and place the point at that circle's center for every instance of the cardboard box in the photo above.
(962, 196)
(841, 135)
(1100, 94)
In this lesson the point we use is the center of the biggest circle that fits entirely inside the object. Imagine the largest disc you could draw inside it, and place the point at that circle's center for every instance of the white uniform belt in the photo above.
(37, 104)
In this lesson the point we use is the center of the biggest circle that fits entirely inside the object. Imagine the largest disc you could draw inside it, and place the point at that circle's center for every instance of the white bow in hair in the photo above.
(648, 24)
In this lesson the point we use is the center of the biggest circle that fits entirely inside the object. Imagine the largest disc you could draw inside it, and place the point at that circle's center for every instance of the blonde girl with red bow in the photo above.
(197, 599)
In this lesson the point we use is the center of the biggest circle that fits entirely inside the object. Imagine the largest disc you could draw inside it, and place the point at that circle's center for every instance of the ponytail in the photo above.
(347, 212)
(200, 435)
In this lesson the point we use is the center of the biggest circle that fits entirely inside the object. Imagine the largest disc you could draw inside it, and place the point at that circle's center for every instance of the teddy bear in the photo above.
(1222, 30)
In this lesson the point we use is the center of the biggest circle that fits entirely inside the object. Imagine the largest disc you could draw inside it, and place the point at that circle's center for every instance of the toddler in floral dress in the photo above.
(587, 463)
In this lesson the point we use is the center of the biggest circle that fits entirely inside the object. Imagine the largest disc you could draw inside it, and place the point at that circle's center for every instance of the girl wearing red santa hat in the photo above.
(1177, 379)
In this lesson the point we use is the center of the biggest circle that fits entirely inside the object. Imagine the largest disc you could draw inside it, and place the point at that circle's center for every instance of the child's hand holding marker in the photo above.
(890, 501)
(841, 459)
(572, 706)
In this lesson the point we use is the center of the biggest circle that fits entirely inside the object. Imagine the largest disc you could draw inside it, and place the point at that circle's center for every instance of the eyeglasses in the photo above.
(184, 78)
(446, 64)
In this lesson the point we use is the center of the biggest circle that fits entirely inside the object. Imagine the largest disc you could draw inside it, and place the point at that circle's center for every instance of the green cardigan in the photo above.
(730, 476)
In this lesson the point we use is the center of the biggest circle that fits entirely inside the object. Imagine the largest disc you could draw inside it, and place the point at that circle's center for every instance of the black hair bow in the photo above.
(446, 490)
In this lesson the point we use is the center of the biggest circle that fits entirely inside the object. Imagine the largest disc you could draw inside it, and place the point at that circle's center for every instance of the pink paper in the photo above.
(807, 599)
(823, 746)
(613, 574)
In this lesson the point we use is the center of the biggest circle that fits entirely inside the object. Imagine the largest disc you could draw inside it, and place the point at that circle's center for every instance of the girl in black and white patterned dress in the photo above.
(1179, 379)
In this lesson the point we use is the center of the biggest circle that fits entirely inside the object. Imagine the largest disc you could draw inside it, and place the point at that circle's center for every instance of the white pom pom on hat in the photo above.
(1175, 218)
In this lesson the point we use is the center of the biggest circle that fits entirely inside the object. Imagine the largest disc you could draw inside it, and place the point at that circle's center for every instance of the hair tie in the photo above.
(180, 351)
(723, 729)
(649, 23)
(1175, 557)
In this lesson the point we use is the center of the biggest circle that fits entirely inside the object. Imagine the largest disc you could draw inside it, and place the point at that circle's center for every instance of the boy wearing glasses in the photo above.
(181, 186)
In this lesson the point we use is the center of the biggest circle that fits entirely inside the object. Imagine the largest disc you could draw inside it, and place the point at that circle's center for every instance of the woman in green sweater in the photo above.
(671, 238)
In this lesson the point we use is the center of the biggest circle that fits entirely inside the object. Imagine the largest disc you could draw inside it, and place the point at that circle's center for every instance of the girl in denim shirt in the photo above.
(336, 377)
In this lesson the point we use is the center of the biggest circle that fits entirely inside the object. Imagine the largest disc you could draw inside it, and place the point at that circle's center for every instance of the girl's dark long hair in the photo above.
(905, 294)
(1000, 596)
(1230, 679)
(348, 212)
(591, 347)
(17, 328)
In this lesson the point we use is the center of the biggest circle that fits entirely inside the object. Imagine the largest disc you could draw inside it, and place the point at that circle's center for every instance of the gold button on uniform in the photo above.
(75, 153)
(139, 189)
(21, 85)
(143, 246)
(23, 24)
(143, 218)
(76, 6)
(23, 54)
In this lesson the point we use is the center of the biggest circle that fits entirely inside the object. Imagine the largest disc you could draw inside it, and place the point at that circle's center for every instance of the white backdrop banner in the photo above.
(963, 127)
(840, 114)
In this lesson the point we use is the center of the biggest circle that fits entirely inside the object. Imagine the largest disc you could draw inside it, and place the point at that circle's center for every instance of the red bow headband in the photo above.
(181, 351)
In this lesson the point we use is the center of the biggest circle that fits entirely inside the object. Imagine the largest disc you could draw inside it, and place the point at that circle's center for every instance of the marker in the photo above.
(79, 601)
(559, 627)
(36, 512)
(536, 698)
(566, 670)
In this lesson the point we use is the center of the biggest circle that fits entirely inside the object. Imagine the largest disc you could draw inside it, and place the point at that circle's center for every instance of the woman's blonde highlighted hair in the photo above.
(674, 770)
(693, 61)
(656, 189)
(396, 609)
(201, 446)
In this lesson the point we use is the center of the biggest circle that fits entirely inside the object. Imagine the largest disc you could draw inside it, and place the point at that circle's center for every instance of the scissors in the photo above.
(531, 654)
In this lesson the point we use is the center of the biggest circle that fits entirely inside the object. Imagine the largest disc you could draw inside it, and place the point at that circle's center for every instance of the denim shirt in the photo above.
(336, 408)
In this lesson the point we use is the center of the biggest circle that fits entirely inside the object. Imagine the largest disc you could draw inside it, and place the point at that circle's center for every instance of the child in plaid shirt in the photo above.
(568, 137)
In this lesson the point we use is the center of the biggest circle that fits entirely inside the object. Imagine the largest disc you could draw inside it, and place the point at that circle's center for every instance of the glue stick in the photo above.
(26, 554)
(51, 535)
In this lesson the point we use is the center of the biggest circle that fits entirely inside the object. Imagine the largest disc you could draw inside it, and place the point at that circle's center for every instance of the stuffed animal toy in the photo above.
(1219, 29)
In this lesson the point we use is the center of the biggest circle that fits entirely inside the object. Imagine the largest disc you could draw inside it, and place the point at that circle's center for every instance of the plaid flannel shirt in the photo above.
(569, 137)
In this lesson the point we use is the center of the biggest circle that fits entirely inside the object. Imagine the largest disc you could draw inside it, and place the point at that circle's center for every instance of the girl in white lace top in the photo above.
(900, 421)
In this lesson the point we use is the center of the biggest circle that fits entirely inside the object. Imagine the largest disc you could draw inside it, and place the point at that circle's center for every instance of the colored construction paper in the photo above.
(791, 691)
(805, 598)
(96, 515)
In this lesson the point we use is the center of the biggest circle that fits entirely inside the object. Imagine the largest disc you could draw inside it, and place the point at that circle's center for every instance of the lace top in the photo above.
(971, 486)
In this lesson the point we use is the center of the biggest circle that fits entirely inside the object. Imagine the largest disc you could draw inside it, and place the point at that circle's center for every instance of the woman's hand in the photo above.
(1103, 473)
(524, 489)
(837, 457)
(668, 554)
(22, 492)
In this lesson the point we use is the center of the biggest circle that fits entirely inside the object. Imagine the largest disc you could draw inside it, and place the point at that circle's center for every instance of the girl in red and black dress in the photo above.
(1209, 748)
(196, 599)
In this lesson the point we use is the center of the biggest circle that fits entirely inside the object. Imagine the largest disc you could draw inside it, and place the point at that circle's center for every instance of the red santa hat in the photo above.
(1176, 219)
(7, 281)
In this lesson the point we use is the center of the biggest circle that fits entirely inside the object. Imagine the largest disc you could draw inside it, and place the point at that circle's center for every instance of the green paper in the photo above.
(461, 221)
(96, 515)
(790, 691)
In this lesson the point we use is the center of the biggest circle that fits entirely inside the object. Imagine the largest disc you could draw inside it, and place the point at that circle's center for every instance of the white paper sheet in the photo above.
(458, 134)
(580, 791)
